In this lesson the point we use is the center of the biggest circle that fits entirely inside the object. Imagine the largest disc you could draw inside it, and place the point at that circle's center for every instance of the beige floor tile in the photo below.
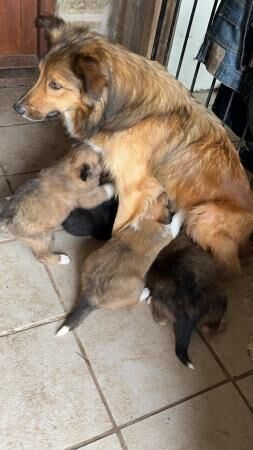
(67, 277)
(4, 192)
(8, 96)
(26, 294)
(108, 443)
(231, 345)
(217, 420)
(18, 180)
(246, 385)
(49, 398)
(134, 361)
(31, 147)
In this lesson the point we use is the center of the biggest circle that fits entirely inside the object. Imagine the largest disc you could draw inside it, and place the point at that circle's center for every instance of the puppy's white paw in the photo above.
(64, 259)
(144, 295)
(190, 366)
(176, 223)
(62, 331)
(109, 189)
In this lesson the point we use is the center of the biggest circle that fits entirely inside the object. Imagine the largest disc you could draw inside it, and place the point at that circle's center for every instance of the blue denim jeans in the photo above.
(224, 50)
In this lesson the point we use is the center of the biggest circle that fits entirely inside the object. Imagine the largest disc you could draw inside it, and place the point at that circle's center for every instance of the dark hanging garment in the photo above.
(225, 50)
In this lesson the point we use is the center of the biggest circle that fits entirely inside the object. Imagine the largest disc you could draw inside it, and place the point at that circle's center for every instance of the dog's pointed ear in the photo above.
(88, 69)
(53, 27)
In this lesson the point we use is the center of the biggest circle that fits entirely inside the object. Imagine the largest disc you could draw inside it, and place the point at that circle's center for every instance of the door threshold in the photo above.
(18, 77)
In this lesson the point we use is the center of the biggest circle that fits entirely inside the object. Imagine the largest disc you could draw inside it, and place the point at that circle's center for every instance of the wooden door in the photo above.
(20, 41)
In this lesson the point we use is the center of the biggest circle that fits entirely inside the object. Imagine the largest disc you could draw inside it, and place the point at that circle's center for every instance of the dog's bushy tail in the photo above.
(183, 328)
(76, 316)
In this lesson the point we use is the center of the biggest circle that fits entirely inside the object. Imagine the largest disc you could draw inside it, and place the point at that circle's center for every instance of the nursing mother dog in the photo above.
(152, 133)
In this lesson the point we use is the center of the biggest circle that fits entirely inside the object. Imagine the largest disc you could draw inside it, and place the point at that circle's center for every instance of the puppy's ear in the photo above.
(85, 171)
(53, 27)
(88, 69)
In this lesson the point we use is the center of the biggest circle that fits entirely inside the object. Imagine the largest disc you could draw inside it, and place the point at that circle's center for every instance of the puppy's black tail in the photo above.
(76, 316)
(183, 328)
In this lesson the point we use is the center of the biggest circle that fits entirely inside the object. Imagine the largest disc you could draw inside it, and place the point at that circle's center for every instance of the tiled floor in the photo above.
(115, 383)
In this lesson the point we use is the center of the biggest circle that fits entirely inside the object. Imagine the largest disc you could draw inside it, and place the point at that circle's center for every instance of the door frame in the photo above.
(44, 7)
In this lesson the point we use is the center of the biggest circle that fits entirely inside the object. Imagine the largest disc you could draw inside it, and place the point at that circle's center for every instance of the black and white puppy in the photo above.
(96, 222)
(185, 288)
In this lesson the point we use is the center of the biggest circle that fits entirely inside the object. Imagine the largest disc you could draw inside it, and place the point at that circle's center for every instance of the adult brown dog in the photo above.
(152, 131)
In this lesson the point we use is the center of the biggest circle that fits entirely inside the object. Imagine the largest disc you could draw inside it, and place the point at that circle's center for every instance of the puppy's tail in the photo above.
(76, 316)
(183, 330)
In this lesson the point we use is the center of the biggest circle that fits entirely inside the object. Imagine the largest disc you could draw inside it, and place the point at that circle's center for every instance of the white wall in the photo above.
(195, 40)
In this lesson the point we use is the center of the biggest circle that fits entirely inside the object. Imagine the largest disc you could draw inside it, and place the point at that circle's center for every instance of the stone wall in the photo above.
(100, 15)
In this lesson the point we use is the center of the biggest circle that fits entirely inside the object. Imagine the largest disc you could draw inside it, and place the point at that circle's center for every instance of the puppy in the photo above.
(96, 222)
(184, 287)
(43, 203)
(114, 276)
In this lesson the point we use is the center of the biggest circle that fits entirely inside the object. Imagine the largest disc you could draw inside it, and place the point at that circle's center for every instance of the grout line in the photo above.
(243, 396)
(243, 375)
(115, 428)
(230, 377)
(28, 123)
(52, 280)
(216, 357)
(31, 326)
(172, 405)
(91, 440)
(26, 172)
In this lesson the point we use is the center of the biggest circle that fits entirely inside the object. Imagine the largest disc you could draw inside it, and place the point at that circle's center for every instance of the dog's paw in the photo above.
(176, 223)
(64, 259)
(109, 189)
(144, 295)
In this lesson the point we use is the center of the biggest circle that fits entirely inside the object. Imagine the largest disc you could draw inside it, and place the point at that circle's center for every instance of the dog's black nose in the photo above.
(19, 108)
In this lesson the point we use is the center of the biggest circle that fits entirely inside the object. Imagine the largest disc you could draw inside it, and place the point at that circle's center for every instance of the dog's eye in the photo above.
(54, 85)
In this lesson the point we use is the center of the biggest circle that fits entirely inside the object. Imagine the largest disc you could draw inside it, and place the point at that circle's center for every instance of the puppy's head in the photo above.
(84, 166)
(161, 210)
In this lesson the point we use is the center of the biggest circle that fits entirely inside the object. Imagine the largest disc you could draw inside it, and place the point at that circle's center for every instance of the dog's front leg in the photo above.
(134, 203)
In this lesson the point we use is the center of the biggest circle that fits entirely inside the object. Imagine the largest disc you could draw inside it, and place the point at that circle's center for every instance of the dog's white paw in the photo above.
(109, 189)
(64, 259)
(144, 295)
(62, 331)
(176, 223)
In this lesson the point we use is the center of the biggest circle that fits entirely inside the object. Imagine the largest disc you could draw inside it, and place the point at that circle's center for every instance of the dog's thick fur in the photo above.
(114, 275)
(41, 204)
(184, 287)
(152, 131)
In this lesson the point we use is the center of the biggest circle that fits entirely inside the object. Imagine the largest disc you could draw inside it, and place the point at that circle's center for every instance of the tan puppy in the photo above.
(42, 204)
(114, 276)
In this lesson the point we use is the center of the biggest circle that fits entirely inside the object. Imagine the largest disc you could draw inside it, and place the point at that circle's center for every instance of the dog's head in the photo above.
(72, 75)
(92, 83)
